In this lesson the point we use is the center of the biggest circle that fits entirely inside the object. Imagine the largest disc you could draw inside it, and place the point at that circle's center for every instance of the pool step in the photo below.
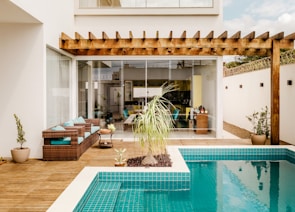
(130, 200)
(174, 201)
(102, 198)
(138, 201)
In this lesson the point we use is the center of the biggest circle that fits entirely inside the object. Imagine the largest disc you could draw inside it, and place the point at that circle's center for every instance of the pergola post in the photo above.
(275, 93)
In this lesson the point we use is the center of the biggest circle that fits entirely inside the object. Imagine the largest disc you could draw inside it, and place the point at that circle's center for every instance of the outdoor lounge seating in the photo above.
(70, 140)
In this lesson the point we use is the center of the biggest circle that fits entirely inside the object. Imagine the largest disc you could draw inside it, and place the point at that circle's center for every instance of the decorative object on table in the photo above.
(112, 127)
(120, 160)
(261, 126)
(202, 109)
(104, 143)
(20, 154)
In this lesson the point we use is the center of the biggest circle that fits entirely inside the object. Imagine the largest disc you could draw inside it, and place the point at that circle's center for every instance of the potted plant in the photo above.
(261, 126)
(20, 154)
(153, 126)
(120, 160)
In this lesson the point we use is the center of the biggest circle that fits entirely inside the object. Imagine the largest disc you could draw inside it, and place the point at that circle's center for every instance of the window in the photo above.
(144, 3)
(58, 87)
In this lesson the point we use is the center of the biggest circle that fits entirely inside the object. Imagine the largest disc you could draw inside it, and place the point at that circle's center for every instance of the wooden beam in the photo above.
(78, 36)
(263, 36)
(64, 36)
(237, 35)
(250, 36)
(183, 35)
(157, 35)
(104, 36)
(290, 37)
(275, 93)
(170, 35)
(91, 36)
(130, 35)
(223, 35)
(222, 45)
(197, 35)
(118, 36)
(278, 36)
(210, 35)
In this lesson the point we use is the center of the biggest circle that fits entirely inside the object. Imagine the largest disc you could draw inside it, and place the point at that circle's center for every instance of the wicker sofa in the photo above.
(69, 140)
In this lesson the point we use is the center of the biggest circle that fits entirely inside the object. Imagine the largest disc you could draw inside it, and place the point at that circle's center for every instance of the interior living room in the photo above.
(116, 90)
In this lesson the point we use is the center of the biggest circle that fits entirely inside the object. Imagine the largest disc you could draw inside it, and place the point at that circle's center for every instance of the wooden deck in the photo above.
(36, 184)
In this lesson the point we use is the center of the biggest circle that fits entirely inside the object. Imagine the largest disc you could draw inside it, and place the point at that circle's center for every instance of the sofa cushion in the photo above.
(69, 124)
(80, 120)
(64, 141)
(86, 134)
(61, 141)
(80, 140)
(58, 128)
(94, 129)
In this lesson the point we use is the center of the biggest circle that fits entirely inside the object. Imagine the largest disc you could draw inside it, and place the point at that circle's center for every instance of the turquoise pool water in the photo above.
(219, 180)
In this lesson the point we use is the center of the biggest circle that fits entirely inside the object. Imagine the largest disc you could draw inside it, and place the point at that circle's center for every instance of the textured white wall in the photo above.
(150, 24)
(57, 16)
(239, 102)
(21, 85)
(23, 69)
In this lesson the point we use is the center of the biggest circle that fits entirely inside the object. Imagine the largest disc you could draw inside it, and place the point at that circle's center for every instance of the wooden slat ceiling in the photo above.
(248, 45)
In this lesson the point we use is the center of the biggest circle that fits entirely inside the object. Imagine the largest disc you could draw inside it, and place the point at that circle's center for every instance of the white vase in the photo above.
(20, 155)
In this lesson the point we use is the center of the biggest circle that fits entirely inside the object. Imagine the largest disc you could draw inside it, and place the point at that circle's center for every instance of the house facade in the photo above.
(45, 85)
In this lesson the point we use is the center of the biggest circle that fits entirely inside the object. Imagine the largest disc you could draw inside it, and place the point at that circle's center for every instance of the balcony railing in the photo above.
(106, 4)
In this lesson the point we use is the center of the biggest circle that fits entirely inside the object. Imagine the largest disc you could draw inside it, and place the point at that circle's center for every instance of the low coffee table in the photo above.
(105, 143)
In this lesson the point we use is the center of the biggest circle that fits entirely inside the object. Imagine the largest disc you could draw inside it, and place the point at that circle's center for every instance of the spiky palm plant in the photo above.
(152, 127)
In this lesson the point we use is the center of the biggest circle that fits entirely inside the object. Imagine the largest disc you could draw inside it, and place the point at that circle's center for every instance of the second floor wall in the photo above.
(148, 7)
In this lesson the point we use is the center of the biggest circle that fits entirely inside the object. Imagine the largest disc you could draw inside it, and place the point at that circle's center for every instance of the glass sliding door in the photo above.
(83, 88)
(108, 88)
(135, 92)
(181, 75)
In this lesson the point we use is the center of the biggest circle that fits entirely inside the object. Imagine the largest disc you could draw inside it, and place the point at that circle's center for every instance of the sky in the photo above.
(260, 16)
(273, 16)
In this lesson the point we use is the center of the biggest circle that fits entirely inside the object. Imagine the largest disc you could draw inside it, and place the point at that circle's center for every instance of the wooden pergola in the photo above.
(249, 45)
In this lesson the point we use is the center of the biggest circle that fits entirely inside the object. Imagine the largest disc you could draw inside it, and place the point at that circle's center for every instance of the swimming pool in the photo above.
(216, 167)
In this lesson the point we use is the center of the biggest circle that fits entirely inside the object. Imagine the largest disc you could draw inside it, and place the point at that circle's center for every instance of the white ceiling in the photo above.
(11, 13)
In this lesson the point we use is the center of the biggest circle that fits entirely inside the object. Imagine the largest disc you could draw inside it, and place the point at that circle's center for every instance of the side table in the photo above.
(202, 123)
(105, 143)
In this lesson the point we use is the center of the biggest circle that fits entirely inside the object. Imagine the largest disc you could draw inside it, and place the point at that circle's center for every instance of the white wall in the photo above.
(138, 24)
(56, 15)
(21, 85)
(23, 57)
(239, 102)
(23, 69)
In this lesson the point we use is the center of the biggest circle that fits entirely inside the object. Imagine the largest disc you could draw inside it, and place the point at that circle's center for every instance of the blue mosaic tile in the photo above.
(155, 179)
(235, 154)
(99, 197)
(122, 184)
